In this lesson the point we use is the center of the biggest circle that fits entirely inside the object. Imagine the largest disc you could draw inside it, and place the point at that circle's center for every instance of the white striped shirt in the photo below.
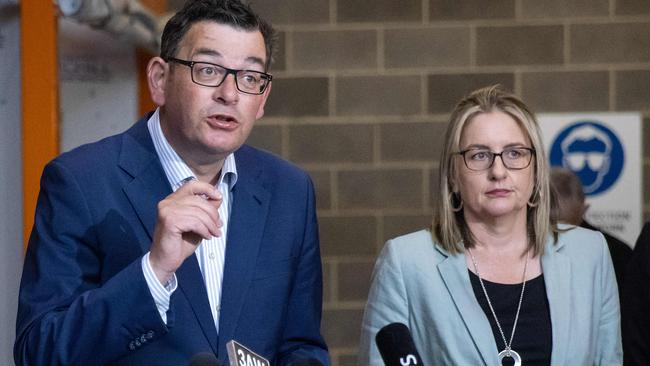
(210, 253)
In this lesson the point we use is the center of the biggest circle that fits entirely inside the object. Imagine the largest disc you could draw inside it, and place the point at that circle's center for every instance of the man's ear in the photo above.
(157, 74)
(265, 96)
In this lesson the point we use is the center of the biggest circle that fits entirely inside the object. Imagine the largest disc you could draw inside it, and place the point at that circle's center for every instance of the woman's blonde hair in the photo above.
(449, 227)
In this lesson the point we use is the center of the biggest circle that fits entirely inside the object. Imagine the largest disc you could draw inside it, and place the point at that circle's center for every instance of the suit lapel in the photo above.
(148, 187)
(248, 217)
(454, 273)
(557, 269)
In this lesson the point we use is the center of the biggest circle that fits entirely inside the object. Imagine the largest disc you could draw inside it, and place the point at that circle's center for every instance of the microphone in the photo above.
(240, 355)
(204, 359)
(396, 346)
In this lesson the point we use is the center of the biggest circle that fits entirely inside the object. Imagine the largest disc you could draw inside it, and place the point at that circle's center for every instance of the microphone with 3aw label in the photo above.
(396, 346)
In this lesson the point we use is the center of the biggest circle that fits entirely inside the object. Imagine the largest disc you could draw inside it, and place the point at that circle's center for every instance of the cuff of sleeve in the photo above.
(160, 293)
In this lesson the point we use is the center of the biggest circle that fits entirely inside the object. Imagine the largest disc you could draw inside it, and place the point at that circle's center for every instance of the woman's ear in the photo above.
(157, 74)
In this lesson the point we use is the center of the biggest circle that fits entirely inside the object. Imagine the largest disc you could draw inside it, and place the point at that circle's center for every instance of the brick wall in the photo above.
(363, 89)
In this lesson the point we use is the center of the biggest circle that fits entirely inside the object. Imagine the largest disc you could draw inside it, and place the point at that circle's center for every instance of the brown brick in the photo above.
(327, 282)
(445, 91)
(629, 42)
(377, 95)
(348, 235)
(344, 50)
(348, 360)
(632, 7)
(298, 97)
(633, 90)
(354, 280)
(379, 10)
(280, 57)
(566, 91)
(564, 8)
(331, 143)
(342, 328)
(471, 9)
(427, 47)
(380, 189)
(519, 45)
(175, 4)
(293, 11)
(411, 141)
(322, 186)
(395, 226)
(268, 138)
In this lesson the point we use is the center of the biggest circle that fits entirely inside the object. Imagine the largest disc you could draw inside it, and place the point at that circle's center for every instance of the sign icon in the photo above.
(592, 151)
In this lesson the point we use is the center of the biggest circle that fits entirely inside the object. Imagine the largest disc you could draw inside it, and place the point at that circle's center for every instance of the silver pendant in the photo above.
(512, 354)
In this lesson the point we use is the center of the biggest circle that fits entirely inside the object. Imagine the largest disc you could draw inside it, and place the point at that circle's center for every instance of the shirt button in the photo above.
(212, 255)
(150, 334)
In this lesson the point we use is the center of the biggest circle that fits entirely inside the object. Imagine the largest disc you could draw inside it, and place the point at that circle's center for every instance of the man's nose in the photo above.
(227, 92)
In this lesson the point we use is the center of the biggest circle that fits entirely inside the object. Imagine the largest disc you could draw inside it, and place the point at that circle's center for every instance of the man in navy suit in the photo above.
(173, 238)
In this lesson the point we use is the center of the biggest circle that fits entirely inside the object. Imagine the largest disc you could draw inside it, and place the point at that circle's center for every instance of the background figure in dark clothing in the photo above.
(570, 208)
(635, 303)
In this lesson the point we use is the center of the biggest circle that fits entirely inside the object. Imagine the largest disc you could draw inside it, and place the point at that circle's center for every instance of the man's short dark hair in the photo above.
(229, 12)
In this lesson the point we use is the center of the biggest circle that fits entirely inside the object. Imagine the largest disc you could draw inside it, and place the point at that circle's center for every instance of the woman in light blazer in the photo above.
(495, 281)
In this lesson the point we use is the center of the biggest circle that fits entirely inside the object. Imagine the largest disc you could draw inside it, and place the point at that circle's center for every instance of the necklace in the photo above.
(508, 351)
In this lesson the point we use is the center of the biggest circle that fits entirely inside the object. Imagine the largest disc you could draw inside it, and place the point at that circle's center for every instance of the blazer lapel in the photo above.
(247, 219)
(454, 273)
(148, 187)
(557, 268)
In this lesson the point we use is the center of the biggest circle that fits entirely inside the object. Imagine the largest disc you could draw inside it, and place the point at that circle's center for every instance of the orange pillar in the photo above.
(144, 100)
(40, 98)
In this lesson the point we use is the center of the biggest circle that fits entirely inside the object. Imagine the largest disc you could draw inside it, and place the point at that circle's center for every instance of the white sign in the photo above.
(604, 150)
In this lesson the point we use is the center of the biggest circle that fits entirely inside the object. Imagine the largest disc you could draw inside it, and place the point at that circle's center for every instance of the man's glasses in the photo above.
(213, 75)
(513, 158)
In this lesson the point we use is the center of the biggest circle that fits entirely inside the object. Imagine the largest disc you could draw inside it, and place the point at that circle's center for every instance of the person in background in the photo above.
(494, 281)
(570, 209)
(171, 239)
(635, 303)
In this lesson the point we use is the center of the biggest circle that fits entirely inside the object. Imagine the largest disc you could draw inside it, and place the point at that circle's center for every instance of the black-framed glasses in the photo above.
(513, 158)
(213, 75)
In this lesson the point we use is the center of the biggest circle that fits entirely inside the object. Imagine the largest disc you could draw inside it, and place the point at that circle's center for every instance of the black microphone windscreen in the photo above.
(204, 359)
(396, 346)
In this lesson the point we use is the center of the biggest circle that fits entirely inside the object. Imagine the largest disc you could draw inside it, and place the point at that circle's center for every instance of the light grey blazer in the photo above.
(417, 283)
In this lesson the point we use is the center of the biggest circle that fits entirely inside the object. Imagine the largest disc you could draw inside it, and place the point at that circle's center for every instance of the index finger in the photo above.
(196, 187)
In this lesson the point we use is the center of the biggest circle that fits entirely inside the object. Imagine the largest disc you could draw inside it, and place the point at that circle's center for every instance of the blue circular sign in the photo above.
(592, 151)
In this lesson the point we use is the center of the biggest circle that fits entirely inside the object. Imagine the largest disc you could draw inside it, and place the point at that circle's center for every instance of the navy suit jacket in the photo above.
(83, 296)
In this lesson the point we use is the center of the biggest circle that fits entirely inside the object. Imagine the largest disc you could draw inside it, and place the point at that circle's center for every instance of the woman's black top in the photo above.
(533, 337)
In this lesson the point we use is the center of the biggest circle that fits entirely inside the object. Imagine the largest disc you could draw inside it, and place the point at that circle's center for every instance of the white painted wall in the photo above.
(98, 84)
(11, 240)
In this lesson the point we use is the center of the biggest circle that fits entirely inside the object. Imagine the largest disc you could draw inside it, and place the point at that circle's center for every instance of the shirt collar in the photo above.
(175, 168)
